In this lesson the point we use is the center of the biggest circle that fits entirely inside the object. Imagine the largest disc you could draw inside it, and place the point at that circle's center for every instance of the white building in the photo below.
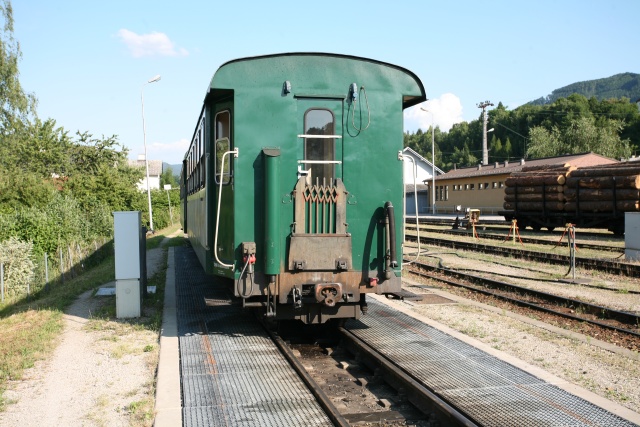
(424, 171)
(155, 170)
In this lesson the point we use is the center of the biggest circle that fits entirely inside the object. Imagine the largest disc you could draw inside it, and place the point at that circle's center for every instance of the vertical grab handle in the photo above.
(215, 240)
(401, 156)
(392, 234)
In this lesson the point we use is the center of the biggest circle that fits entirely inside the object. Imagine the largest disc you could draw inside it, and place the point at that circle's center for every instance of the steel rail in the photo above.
(332, 412)
(497, 224)
(621, 268)
(445, 221)
(419, 395)
(529, 240)
(592, 309)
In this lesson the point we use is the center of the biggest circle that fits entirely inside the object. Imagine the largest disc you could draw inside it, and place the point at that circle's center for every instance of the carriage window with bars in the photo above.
(320, 122)
(203, 159)
(222, 145)
(320, 202)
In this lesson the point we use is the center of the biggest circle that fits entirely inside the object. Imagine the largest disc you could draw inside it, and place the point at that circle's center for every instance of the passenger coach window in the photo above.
(319, 122)
(223, 144)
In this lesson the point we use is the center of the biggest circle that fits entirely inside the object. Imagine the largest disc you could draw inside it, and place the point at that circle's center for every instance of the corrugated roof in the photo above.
(155, 166)
(577, 160)
(419, 187)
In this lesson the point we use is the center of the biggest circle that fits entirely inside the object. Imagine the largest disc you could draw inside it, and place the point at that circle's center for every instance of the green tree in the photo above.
(168, 178)
(496, 150)
(463, 157)
(99, 169)
(17, 106)
(544, 143)
(42, 149)
(506, 149)
(580, 135)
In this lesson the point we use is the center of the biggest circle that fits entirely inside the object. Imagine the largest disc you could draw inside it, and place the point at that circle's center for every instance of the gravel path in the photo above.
(95, 377)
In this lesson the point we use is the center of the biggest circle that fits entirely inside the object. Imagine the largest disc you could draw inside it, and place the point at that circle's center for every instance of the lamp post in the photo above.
(146, 159)
(167, 188)
(433, 163)
(485, 138)
(485, 151)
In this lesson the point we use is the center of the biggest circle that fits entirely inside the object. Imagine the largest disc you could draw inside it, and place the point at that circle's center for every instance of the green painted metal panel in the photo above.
(272, 253)
(372, 134)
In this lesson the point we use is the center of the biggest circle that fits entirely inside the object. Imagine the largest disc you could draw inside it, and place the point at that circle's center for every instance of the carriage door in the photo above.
(320, 204)
(223, 165)
(321, 125)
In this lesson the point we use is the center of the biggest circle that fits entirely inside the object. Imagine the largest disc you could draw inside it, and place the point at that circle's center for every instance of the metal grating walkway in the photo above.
(492, 391)
(231, 372)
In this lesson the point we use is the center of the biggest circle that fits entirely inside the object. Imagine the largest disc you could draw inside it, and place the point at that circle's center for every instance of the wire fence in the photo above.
(50, 270)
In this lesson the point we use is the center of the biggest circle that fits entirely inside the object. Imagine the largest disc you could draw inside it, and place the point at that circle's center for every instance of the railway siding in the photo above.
(623, 325)
(606, 265)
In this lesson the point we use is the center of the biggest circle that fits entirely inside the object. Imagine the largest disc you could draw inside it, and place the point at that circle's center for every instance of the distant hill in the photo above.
(618, 86)
(175, 169)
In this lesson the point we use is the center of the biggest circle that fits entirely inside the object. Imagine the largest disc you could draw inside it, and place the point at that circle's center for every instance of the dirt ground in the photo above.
(95, 377)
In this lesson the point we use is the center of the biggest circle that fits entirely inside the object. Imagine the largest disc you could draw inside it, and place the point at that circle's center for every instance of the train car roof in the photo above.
(408, 99)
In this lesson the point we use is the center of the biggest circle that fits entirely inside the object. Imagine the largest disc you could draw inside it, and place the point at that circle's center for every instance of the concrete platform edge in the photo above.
(168, 408)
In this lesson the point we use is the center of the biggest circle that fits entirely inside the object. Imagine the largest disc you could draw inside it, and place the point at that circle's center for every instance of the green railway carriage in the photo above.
(289, 184)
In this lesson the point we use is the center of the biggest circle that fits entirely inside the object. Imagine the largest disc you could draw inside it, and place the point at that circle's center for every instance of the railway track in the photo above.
(609, 266)
(368, 389)
(332, 412)
(624, 324)
(449, 222)
(413, 389)
(503, 225)
(504, 236)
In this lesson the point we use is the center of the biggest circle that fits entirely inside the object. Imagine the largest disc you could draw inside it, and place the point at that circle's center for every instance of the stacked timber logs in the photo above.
(536, 189)
(604, 189)
(562, 188)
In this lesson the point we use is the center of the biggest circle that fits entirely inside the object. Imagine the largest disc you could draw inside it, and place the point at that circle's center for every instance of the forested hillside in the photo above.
(624, 85)
(575, 124)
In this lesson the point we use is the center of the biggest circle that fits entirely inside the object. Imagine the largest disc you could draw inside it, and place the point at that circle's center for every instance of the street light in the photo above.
(167, 187)
(433, 163)
(146, 159)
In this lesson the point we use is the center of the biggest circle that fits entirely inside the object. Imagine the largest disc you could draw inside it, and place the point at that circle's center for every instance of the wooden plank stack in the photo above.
(563, 188)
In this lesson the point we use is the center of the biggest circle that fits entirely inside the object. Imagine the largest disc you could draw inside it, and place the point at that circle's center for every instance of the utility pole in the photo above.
(485, 151)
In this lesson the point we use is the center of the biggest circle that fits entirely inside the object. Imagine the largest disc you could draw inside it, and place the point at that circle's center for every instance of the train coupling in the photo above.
(328, 293)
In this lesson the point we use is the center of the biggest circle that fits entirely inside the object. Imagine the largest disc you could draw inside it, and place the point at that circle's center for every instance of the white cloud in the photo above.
(446, 110)
(171, 153)
(152, 44)
(174, 150)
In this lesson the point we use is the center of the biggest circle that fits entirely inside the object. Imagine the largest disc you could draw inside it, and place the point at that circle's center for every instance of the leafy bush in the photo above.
(60, 222)
(17, 259)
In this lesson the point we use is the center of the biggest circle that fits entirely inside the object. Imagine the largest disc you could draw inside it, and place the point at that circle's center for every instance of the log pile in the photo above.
(562, 188)
(600, 188)
(535, 189)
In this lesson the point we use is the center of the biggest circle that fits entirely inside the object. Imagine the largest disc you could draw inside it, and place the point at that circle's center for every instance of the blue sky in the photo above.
(87, 61)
